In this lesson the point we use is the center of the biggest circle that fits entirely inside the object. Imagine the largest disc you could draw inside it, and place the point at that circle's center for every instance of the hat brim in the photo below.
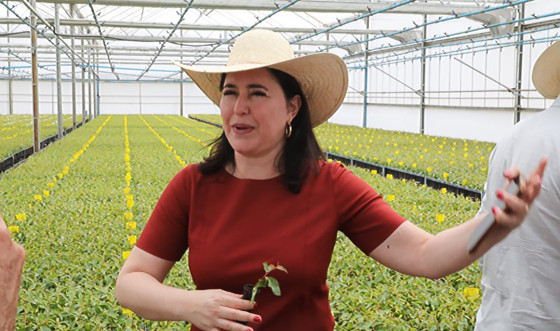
(546, 72)
(323, 78)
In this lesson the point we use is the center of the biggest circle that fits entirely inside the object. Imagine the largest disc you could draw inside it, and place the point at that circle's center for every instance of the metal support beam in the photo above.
(73, 72)
(193, 27)
(31, 6)
(34, 80)
(512, 91)
(519, 67)
(97, 79)
(366, 78)
(423, 78)
(222, 42)
(83, 81)
(181, 100)
(10, 87)
(90, 90)
(181, 18)
(90, 3)
(58, 74)
(356, 6)
(175, 40)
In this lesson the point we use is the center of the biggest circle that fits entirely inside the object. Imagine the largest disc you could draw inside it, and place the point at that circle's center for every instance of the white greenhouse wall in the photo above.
(477, 123)
(115, 98)
(486, 124)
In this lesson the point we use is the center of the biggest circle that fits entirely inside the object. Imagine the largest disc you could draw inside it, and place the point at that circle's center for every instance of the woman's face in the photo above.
(255, 112)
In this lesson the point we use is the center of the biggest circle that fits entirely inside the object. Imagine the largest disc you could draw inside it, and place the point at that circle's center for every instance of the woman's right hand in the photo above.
(214, 310)
(140, 288)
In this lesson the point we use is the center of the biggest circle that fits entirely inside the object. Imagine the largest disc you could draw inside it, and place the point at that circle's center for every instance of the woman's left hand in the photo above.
(517, 206)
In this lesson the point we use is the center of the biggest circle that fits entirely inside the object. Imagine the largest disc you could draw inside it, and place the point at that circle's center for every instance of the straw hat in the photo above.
(546, 72)
(323, 77)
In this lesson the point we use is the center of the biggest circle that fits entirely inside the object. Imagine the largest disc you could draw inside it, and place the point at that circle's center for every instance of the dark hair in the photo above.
(301, 150)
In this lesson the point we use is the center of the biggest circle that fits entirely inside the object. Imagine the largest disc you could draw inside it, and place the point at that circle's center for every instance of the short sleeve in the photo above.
(365, 218)
(166, 233)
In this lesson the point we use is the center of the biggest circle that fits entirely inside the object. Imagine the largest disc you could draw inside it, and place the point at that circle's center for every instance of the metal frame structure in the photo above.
(134, 40)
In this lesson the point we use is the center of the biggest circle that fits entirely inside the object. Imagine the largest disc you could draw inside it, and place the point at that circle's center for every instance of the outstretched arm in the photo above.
(12, 257)
(413, 251)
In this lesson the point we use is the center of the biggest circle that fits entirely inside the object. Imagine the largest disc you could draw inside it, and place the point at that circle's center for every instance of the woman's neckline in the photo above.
(232, 175)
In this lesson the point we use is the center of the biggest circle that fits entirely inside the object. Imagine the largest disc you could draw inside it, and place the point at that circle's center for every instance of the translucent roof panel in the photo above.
(138, 39)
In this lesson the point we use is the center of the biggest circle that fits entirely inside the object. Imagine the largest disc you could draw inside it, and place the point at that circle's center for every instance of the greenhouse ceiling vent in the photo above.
(496, 20)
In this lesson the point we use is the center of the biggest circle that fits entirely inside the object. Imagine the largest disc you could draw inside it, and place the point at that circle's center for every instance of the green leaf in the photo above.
(268, 267)
(279, 267)
(274, 286)
(260, 283)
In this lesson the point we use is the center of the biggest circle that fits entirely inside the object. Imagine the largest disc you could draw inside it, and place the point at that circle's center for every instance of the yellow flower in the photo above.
(130, 225)
(429, 169)
(46, 193)
(464, 182)
(13, 229)
(129, 201)
(390, 197)
(127, 312)
(466, 155)
(471, 293)
(440, 218)
(445, 175)
(38, 197)
(131, 240)
(389, 176)
(443, 190)
(128, 215)
(374, 172)
(125, 254)
(401, 163)
(414, 207)
(51, 185)
(20, 217)
(421, 156)
(389, 160)
(414, 165)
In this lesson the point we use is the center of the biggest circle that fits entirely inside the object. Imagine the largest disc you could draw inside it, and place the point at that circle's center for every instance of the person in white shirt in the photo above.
(521, 275)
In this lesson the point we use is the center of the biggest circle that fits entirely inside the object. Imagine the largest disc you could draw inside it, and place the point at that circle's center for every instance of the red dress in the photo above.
(231, 226)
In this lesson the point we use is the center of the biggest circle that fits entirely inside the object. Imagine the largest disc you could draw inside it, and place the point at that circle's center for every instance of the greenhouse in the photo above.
(97, 117)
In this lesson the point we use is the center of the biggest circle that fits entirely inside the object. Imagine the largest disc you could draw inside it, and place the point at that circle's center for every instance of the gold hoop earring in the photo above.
(288, 131)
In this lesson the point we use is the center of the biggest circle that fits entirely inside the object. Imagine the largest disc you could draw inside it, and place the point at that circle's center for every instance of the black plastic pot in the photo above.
(247, 293)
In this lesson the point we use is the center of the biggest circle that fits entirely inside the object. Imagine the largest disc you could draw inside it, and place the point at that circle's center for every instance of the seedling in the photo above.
(267, 281)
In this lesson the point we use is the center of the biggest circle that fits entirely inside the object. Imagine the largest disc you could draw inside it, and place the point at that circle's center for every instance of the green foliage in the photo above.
(16, 131)
(268, 281)
(460, 161)
(76, 235)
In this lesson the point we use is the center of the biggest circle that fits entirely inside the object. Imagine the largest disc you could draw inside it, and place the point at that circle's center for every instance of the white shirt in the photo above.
(521, 274)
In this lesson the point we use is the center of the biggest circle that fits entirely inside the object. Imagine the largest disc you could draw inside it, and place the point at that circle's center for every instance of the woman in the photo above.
(266, 194)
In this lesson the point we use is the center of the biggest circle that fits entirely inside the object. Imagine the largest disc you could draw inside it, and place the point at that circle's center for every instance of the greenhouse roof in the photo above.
(138, 39)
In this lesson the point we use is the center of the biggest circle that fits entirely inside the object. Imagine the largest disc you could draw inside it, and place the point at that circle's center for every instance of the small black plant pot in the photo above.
(247, 293)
